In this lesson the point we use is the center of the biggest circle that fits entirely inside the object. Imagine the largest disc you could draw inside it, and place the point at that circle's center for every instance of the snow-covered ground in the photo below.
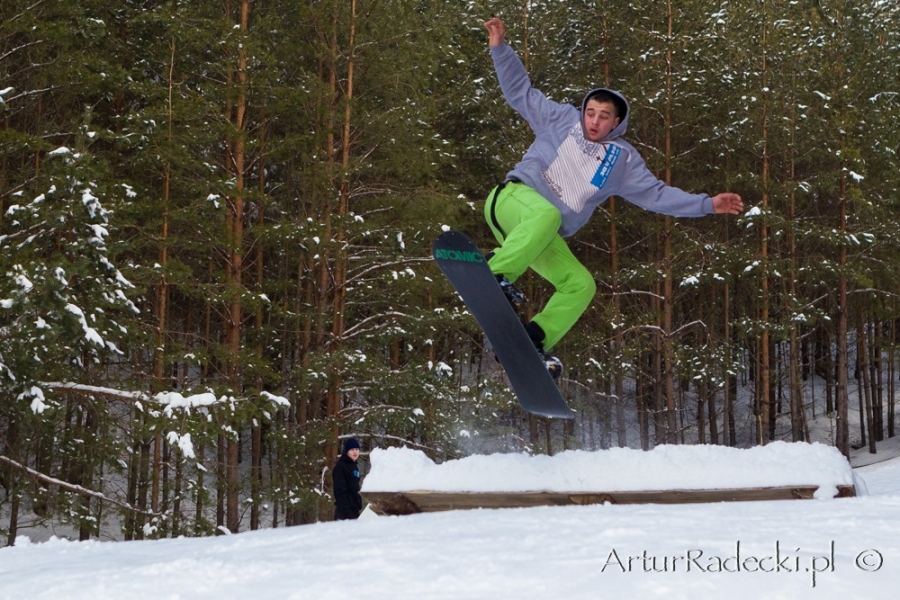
(834, 548)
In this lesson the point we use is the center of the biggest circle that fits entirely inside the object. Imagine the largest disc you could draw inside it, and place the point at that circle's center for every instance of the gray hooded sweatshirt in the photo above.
(573, 173)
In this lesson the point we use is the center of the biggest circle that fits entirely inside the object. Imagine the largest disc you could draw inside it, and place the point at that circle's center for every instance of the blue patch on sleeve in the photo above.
(606, 166)
(356, 474)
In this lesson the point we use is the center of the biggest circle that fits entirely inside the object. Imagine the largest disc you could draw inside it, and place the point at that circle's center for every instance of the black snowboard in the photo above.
(465, 267)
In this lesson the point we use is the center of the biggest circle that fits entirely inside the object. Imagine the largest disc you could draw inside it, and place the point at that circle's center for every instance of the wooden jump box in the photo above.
(406, 503)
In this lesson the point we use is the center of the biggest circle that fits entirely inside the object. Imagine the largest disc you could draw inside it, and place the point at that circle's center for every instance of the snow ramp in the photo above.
(404, 481)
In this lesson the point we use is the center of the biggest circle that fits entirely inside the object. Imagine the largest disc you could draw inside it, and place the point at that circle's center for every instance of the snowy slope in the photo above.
(551, 552)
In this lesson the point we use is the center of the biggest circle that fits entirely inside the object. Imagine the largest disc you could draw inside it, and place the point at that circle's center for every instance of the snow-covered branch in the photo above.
(27, 9)
(72, 487)
(860, 291)
(364, 272)
(691, 324)
(18, 48)
(384, 437)
(169, 400)
(34, 92)
(872, 291)
(102, 391)
(661, 331)
(629, 292)
(351, 331)
(352, 409)
(591, 391)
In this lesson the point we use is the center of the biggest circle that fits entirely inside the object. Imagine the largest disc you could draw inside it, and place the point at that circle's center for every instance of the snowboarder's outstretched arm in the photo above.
(538, 110)
(643, 188)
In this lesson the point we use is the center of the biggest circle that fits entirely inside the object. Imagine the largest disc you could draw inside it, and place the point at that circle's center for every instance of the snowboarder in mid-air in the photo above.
(577, 160)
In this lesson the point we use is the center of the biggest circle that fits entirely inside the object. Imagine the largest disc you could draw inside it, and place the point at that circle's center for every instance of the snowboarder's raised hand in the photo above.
(728, 203)
(497, 31)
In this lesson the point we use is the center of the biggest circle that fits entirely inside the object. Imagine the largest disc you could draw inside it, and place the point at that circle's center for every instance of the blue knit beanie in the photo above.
(350, 444)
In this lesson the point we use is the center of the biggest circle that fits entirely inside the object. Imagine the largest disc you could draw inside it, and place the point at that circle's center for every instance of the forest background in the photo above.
(216, 220)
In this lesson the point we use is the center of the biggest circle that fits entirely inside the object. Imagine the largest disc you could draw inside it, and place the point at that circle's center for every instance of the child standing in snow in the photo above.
(345, 479)
(575, 163)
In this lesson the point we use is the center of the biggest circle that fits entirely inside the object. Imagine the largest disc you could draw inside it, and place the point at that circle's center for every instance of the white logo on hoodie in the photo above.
(580, 169)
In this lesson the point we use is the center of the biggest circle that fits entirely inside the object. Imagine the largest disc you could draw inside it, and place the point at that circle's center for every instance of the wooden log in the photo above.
(389, 503)
(405, 503)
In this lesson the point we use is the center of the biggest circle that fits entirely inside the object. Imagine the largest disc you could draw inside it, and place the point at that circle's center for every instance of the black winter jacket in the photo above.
(347, 501)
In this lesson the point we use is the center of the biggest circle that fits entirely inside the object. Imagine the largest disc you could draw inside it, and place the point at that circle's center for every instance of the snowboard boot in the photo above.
(553, 364)
(515, 296)
(537, 335)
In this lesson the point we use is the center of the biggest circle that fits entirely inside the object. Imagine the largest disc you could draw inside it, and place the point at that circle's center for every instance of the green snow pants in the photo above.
(527, 227)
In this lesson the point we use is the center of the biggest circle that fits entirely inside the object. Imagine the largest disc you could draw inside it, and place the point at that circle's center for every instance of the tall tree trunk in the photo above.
(547, 435)
(842, 396)
(866, 419)
(201, 491)
(796, 389)
(234, 270)
(730, 379)
(842, 390)
(340, 271)
(85, 479)
(12, 449)
(525, 33)
(618, 336)
(256, 432)
(764, 398)
(891, 371)
(176, 503)
(794, 375)
(877, 383)
(668, 348)
(668, 300)
(164, 480)
(143, 479)
(325, 274)
(642, 402)
(133, 476)
(255, 474)
(660, 421)
(709, 391)
(830, 370)
(220, 483)
(701, 412)
(162, 295)
(842, 441)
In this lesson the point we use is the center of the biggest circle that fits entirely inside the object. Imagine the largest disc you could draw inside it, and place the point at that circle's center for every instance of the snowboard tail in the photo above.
(468, 271)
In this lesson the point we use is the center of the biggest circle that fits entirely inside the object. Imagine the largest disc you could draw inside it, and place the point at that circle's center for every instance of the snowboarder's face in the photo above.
(599, 120)
(353, 453)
